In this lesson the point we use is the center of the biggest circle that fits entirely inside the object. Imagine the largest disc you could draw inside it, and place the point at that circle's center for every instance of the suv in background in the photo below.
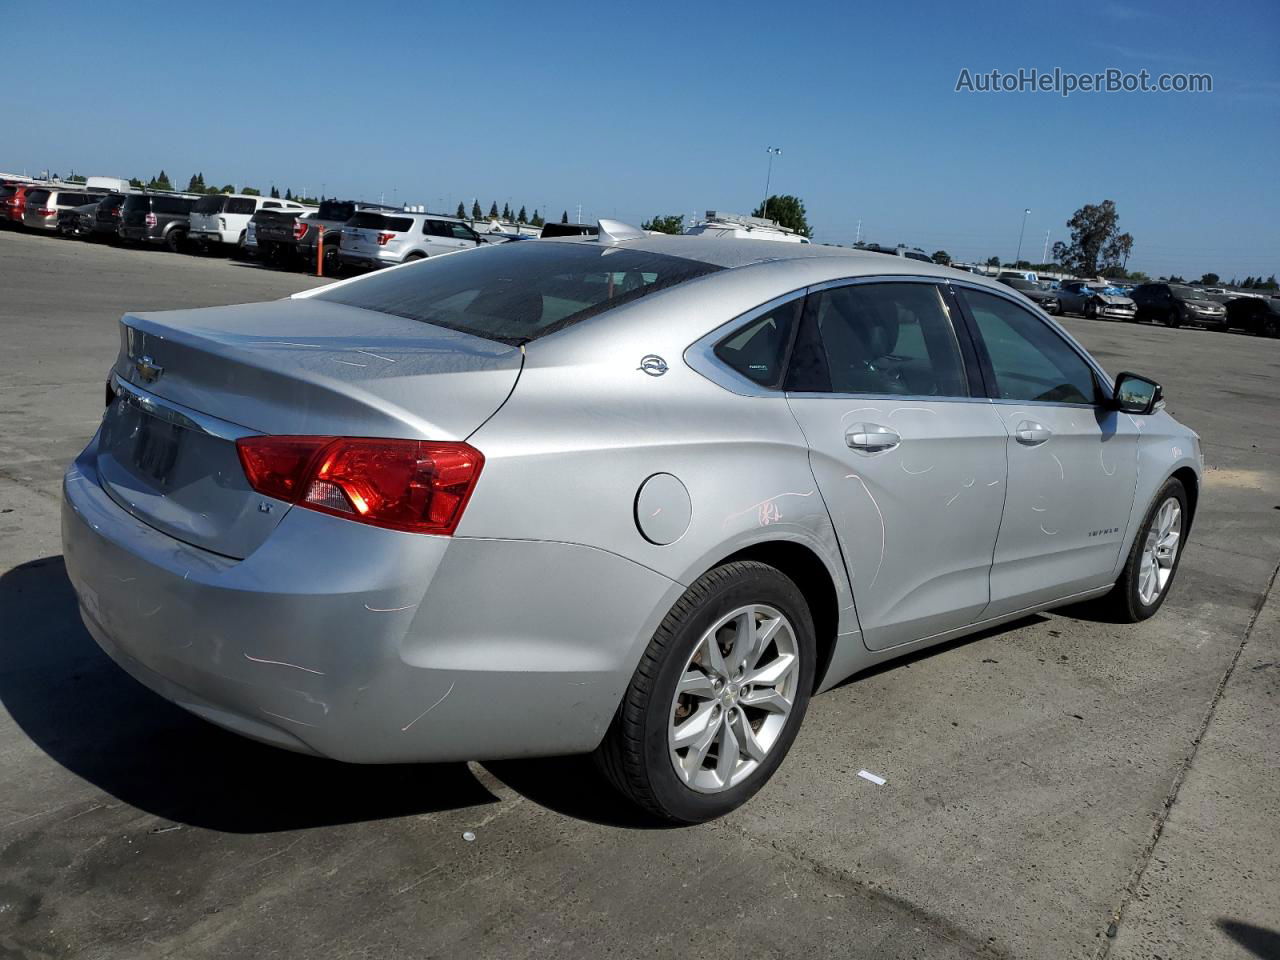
(106, 219)
(1260, 315)
(43, 206)
(375, 239)
(162, 218)
(331, 216)
(77, 222)
(15, 204)
(1174, 304)
(223, 218)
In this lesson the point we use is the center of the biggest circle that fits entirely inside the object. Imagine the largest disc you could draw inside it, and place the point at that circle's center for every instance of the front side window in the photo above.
(240, 205)
(1031, 362)
(892, 339)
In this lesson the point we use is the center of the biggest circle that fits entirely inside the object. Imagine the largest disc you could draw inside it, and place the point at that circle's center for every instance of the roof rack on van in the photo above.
(748, 223)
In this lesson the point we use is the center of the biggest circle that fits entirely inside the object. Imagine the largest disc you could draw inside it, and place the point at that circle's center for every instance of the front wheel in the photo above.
(1153, 559)
(718, 697)
(1091, 311)
(1269, 327)
(1172, 319)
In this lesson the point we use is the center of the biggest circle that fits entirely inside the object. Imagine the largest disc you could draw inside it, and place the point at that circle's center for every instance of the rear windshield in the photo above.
(136, 201)
(212, 204)
(517, 292)
(37, 197)
(336, 210)
(378, 221)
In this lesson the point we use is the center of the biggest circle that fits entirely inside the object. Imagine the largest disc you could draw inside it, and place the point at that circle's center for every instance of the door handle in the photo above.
(1032, 434)
(871, 438)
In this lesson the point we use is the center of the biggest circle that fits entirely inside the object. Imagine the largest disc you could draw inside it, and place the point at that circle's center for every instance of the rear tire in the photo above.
(1269, 327)
(175, 239)
(415, 256)
(692, 673)
(1132, 599)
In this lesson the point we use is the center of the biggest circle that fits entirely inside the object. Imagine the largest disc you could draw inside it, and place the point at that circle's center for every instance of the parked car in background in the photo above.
(1046, 300)
(581, 496)
(898, 251)
(106, 218)
(1017, 275)
(328, 221)
(1260, 315)
(272, 235)
(1175, 304)
(77, 222)
(15, 201)
(222, 219)
(1094, 299)
(372, 238)
(43, 206)
(158, 218)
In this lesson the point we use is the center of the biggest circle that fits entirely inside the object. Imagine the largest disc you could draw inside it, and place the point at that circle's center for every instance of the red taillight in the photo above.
(416, 485)
(151, 220)
(299, 230)
(384, 238)
(46, 211)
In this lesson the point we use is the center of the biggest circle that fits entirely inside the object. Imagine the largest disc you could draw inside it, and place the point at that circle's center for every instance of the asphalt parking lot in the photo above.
(1061, 787)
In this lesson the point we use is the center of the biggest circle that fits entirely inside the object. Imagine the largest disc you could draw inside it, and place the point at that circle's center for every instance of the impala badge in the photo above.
(148, 372)
(653, 365)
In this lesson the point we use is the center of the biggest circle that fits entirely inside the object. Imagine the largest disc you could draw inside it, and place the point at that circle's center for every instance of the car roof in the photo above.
(729, 252)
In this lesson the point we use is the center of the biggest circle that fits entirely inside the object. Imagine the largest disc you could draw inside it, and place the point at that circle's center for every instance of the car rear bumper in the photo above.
(361, 259)
(39, 223)
(363, 644)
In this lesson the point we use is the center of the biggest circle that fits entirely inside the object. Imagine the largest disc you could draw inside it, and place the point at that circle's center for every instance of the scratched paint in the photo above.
(883, 531)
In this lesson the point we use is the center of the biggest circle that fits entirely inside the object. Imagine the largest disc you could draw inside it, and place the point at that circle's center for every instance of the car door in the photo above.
(1072, 461)
(440, 237)
(908, 459)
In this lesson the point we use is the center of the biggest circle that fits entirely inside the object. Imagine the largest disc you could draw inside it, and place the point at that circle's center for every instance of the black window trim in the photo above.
(1104, 386)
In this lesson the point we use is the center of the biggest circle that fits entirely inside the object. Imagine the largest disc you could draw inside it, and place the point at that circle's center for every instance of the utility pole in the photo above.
(579, 213)
(1044, 257)
(1021, 230)
(858, 238)
(764, 207)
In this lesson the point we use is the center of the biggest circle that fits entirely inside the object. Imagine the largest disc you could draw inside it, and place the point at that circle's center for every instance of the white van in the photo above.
(224, 217)
(107, 185)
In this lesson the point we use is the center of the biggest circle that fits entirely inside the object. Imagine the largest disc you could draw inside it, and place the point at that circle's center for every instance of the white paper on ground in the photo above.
(878, 781)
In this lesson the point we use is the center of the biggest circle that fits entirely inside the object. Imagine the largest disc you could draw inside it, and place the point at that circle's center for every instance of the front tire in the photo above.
(1153, 560)
(718, 697)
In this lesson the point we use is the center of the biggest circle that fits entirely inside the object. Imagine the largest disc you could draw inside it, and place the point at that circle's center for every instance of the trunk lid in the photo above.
(192, 381)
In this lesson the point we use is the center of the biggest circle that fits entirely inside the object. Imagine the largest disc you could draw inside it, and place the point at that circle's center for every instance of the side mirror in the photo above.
(1136, 394)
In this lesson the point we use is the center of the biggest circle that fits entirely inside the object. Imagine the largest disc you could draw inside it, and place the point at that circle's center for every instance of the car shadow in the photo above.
(894, 663)
(572, 787)
(98, 722)
(1259, 941)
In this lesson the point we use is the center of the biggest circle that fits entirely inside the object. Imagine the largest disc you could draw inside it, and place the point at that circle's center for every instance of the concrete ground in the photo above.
(1059, 788)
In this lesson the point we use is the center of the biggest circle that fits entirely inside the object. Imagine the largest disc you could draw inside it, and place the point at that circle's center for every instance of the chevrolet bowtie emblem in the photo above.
(148, 372)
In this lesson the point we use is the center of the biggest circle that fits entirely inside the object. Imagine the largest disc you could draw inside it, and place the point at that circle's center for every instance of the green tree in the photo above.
(275, 193)
(228, 188)
(673, 223)
(74, 177)
(160, 182)
(251, 192)
(522, 217)
(787, 211)
(196, 183)
(537, 220)
(493, 210)
(1210, 279)
(462, 211)
(564, 217)
(288, 193)
(993, 261)
(506, 212)
(941, 256)
(1096, 241)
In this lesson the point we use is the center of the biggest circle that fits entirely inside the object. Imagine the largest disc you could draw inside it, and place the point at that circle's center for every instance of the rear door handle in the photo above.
(1029, 433)
(871, 438)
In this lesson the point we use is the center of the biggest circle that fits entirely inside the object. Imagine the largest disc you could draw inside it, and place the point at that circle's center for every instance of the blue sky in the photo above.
(667, 108)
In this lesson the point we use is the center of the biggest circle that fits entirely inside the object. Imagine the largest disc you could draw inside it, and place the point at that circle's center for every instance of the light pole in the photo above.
(764, 207)
(1020, 232)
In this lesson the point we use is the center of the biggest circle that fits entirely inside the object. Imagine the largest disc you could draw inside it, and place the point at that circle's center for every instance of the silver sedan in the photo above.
(633, 495)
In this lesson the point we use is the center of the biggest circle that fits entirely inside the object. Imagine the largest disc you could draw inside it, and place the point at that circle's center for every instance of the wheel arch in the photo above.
(1191, 484)
(810, 574)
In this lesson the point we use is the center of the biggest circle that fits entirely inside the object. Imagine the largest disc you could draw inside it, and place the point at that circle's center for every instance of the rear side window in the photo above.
(517, 292)
(37, 197)
(758, 350)
(377, 221)
(336, 210)
(213, 204)
(881, 339)
(1030, 361)
(172, 204)
(240, 205)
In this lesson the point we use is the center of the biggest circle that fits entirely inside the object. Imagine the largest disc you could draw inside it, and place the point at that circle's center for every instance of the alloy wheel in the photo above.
(1160, 552)
(733, 698)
